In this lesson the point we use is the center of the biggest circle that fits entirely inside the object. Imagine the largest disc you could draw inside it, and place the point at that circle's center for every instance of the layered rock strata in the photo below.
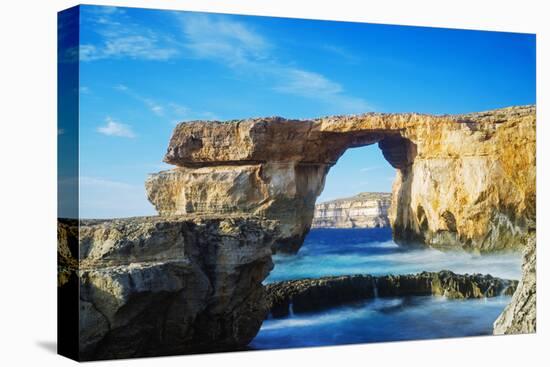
(158, 286)
(307, 295)
(190, 280)
(364, 210)
(520, 316)
(462, 180)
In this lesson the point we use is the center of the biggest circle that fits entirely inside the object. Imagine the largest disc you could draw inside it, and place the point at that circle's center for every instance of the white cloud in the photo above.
(307, 83)
(134, 47)
(316, 86)
(113, 128)
(175, 112)
(124, 40)
(151, 104)
(243, 49)
(341, 52)
(121, 87)
(159, 110)
(218, 38)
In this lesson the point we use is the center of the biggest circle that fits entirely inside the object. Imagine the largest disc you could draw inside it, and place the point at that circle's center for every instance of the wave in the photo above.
(323, 255)
(334, 316)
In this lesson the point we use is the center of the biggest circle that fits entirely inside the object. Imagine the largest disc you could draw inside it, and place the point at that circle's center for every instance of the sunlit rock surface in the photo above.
(190, 280)
(462, 180)
(364, 210)
(520, 316)
(157, 286)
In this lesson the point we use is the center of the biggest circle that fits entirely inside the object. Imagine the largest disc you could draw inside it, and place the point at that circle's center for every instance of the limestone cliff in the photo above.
(190, 280)
(364, 210)
(462, 180)
(520, 316)
(157, 286)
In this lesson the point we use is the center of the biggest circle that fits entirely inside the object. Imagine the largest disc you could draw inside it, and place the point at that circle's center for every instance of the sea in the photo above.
(327, 252)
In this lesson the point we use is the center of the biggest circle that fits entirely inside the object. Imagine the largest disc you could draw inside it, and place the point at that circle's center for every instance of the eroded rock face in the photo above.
(462, 181)
(285, 191)
(306, 295)
(172, 285)
(365, 210)
(520, 316)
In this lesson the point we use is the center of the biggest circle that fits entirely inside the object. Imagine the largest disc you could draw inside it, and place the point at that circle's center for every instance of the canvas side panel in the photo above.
(67, 182)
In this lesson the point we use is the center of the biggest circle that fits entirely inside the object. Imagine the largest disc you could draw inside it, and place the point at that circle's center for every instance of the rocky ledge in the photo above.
(364, 210)
(158, 286)
(307, 295)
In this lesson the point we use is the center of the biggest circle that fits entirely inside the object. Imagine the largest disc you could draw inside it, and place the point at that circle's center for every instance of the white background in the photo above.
(28, 182)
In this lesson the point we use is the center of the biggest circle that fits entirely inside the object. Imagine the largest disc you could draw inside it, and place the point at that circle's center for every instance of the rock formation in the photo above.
(158, 286)
(190, 280)
(364, 210)
(306, 295)
(520, 316)
(462, 180)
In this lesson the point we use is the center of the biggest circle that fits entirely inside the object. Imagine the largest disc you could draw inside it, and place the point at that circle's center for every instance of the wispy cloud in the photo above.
(114, 128)
(172, 111)
(152, 105)
(244, 49)
(128, 40)
(84, 90)
(218, 38)
(221, 39)
(341, 52)
(316, 86)
(307, 83)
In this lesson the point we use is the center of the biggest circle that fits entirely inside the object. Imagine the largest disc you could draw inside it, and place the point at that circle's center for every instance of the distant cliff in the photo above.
(364, 210)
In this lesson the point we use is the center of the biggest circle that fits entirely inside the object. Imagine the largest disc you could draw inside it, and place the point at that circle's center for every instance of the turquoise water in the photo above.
(371, 251)
(383, 320)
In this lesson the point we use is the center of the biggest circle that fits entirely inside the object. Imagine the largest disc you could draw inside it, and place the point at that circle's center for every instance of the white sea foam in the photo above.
(401, 261)
(383, 319)
(331, 317)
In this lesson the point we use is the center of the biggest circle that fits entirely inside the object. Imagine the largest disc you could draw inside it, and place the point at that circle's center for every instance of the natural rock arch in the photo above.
(462, 180)
(190, 279)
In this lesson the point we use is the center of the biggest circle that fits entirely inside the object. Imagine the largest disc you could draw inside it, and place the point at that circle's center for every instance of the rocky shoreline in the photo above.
(150, 286)
(190, 280)
(308, 295)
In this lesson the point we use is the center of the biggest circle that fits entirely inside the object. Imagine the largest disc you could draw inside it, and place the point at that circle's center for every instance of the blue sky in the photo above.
(142, 71)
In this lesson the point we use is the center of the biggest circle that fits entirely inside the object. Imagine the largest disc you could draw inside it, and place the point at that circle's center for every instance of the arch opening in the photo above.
(359, 275)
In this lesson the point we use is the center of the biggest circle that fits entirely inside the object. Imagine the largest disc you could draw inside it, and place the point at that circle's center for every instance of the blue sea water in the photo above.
(383, 320)
(371, 251)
